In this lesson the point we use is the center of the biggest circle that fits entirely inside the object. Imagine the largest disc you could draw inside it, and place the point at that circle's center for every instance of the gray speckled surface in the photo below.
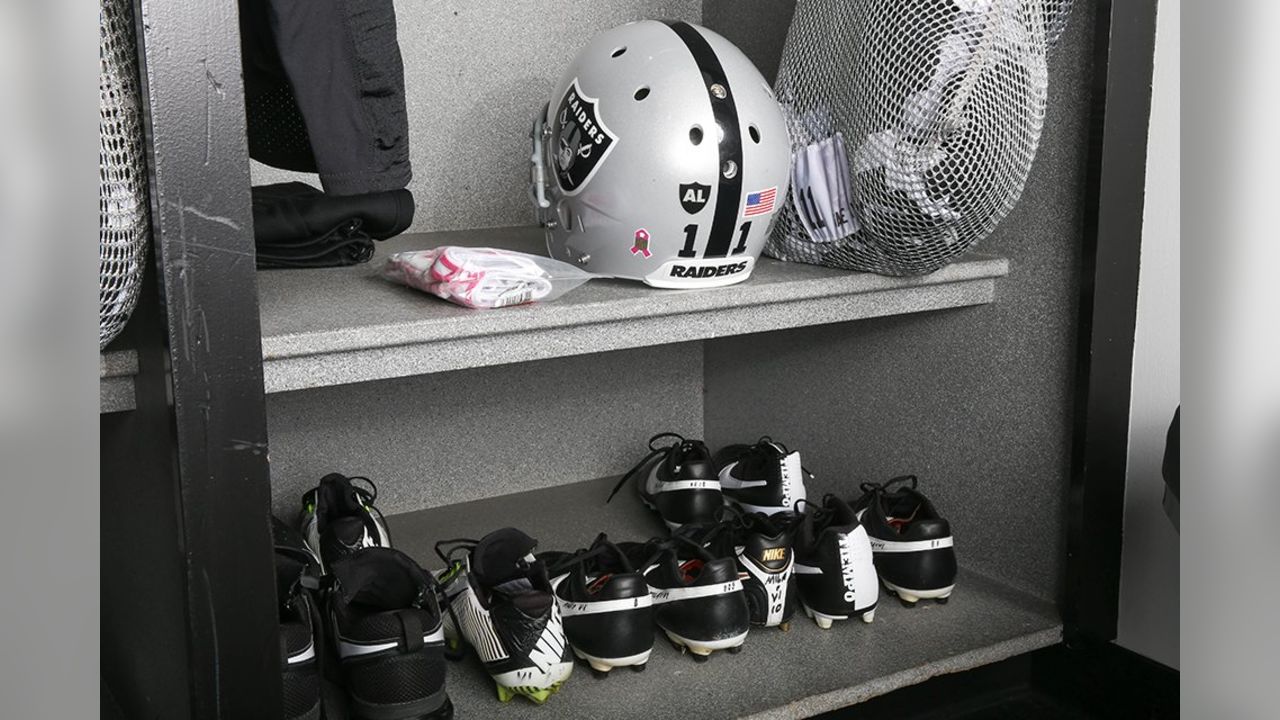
(450, 437)
(762, 38)
(116, 369)
(976, 401)
(778, 675)
(344, 325)
(475, 74)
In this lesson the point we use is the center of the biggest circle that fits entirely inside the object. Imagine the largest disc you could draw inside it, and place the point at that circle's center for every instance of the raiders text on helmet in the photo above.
(662, 157)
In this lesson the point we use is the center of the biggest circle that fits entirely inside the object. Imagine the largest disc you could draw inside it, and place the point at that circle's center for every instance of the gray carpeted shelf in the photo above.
(336, 326)
(778, 675)
(115, 380)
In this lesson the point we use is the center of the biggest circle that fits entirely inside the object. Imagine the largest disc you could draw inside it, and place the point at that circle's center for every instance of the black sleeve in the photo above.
(324, 91)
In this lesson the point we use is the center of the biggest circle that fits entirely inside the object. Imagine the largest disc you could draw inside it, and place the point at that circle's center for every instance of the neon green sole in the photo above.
(537, 695)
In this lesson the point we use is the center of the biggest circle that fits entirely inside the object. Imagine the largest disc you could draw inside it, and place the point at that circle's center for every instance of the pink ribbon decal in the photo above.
(641, 247)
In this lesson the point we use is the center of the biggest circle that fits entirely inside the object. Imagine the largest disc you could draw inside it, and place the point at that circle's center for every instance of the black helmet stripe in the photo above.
(729, 196)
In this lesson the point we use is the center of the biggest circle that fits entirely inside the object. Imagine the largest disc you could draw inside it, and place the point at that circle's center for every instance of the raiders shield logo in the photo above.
(581, 139)
(694, 196)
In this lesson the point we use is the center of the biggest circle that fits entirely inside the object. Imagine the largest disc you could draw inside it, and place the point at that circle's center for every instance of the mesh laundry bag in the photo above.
(123, 226)
(937, 107)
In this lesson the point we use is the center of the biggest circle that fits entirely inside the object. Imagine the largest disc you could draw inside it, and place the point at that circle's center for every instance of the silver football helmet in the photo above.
(662, 157)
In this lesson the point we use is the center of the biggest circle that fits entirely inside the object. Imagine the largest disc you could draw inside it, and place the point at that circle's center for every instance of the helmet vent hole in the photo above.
(618, 52)
(754, 132)
(642, 93)
(695, 135)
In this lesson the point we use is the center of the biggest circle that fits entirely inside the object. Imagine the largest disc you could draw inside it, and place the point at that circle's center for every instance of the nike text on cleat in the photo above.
(913, 546)
(762, 548)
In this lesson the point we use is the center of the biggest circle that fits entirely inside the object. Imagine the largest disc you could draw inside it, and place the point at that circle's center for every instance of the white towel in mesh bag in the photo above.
(939, 106)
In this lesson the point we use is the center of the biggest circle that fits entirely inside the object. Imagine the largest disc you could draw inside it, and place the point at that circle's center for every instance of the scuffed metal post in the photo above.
(194, 108)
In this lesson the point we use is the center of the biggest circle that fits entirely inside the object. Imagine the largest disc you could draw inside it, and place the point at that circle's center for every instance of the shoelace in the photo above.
(680, 442)
(600, 547)
(765, 450)
(658, 546)
(869, 487)
(465, 544)
(366, 499)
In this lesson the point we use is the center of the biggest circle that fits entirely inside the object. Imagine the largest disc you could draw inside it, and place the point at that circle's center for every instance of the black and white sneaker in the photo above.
(389, 636)
(834, 565)
(914, 551)
(698, 600)
(676, 479)
(500, 601)
(606, 606)
(761, 478)
(338, 517)
(297, 580)
(762, 547)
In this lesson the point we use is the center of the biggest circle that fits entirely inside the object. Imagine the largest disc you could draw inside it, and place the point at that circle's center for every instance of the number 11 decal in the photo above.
(691, 236)
(745, 230)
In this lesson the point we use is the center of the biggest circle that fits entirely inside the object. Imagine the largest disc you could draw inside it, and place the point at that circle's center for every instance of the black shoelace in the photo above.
(868, 487)
(581, 557)
(366, 499)
(766, 451)
(679, 444)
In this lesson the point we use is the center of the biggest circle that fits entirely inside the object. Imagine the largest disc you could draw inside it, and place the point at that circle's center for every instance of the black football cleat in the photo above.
(677, 480)
(606, 606)
(914, 551)
(761, 478)
(834, 565)
(389, 636)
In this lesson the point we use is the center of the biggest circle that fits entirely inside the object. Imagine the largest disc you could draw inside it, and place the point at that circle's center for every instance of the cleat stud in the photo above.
(785, 627)
(824, 623)
(869, 616)
(505, 694)
(943, 600)
(699, 657)
(735, 649)
(599, 669)
(639, 668)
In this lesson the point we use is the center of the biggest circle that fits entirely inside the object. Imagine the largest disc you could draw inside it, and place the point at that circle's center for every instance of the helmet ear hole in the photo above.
(754, 132)
(618, 52)
(642, 93)
(695, 135)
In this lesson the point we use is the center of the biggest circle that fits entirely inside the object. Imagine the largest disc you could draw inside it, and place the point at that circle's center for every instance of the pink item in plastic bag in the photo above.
(484, 277)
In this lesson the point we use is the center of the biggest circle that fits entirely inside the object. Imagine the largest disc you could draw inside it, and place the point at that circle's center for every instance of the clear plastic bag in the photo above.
(484, 277)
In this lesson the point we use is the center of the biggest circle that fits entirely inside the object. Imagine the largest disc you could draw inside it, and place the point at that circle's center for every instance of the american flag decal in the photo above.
(761, 202)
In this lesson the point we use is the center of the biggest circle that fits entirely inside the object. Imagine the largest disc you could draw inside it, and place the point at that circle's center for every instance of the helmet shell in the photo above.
(666, 158)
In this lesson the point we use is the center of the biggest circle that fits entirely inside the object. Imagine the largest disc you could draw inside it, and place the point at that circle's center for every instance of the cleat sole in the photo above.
(702, 649)
(537, 695)
(912, 596)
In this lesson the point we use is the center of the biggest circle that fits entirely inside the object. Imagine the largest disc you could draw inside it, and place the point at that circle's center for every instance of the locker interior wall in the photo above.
(978, 402)
(450, 437)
